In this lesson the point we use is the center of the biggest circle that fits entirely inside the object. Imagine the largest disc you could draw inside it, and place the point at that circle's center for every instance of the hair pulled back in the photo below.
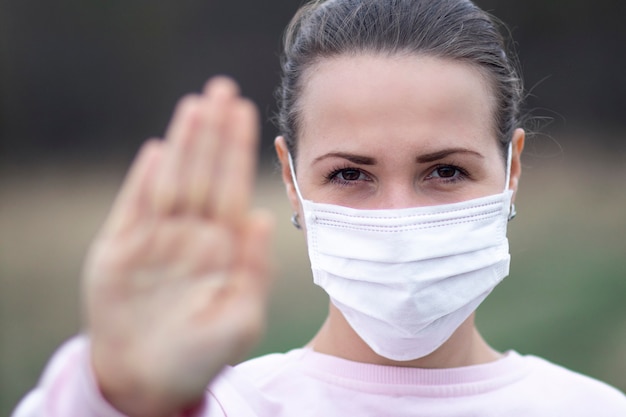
(449, 29)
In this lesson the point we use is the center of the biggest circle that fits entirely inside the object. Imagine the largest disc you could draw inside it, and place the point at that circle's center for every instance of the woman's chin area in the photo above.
(465, 347)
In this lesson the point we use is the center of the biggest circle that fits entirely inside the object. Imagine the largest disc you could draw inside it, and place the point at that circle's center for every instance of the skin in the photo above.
(176, 283)
(396, 132)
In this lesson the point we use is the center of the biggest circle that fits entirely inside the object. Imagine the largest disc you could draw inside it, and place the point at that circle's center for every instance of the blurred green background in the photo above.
(82, 84)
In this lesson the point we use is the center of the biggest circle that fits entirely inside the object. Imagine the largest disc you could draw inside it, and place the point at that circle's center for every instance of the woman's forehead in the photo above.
(374, 97)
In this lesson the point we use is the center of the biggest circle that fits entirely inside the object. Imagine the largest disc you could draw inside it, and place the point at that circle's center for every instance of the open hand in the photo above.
(176, 283)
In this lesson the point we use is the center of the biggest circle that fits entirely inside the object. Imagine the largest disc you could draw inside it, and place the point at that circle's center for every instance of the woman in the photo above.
(400, 151)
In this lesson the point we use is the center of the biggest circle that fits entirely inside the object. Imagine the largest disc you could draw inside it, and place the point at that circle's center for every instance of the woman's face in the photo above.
(395, 132)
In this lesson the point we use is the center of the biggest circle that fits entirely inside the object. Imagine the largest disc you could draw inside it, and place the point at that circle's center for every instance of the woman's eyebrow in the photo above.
(355, 159)
(368, 160)
(435, 156)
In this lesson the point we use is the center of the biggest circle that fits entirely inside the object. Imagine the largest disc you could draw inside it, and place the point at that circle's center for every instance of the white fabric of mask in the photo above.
(406, 279)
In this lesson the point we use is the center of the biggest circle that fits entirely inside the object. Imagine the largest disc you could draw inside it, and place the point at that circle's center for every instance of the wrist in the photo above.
(138, 394)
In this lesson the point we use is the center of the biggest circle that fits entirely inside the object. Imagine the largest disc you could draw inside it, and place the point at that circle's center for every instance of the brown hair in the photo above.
(450, 29)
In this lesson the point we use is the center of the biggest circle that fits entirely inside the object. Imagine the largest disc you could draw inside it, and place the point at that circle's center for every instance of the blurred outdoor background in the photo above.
(83, 83)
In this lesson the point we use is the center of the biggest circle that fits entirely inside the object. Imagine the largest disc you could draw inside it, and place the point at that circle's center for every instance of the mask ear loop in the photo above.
(509, 159)
(293, 177)
(294, 217)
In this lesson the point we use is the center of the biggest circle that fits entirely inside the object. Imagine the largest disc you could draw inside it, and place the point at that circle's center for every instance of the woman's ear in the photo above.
(517, 146)
(283, 156)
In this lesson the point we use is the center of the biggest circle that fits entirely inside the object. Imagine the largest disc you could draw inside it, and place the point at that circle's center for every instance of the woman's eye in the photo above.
(349, 174)
(346, 176)
(448, 173)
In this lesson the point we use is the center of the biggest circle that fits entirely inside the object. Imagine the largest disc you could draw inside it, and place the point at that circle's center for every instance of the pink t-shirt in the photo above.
(304, 383)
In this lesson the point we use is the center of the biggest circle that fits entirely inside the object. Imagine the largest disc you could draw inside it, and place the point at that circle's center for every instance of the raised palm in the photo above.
(176, 282)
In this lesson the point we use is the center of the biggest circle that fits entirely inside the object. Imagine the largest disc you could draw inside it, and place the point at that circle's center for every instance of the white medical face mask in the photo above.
(405, 279)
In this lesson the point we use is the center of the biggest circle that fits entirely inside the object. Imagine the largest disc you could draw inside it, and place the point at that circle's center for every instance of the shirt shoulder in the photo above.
(249, 389)
(269, 365)
(580, 393)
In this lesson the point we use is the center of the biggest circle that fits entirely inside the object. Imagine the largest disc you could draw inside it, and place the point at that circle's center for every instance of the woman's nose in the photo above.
(398, 195)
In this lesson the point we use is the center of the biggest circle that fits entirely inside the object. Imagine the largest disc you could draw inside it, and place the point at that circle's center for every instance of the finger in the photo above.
(237, 167)
(179, 123)
(133, 199)
(168, 195)
(203, 169)
(194, 137)
(202, 165)
(221, 84)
